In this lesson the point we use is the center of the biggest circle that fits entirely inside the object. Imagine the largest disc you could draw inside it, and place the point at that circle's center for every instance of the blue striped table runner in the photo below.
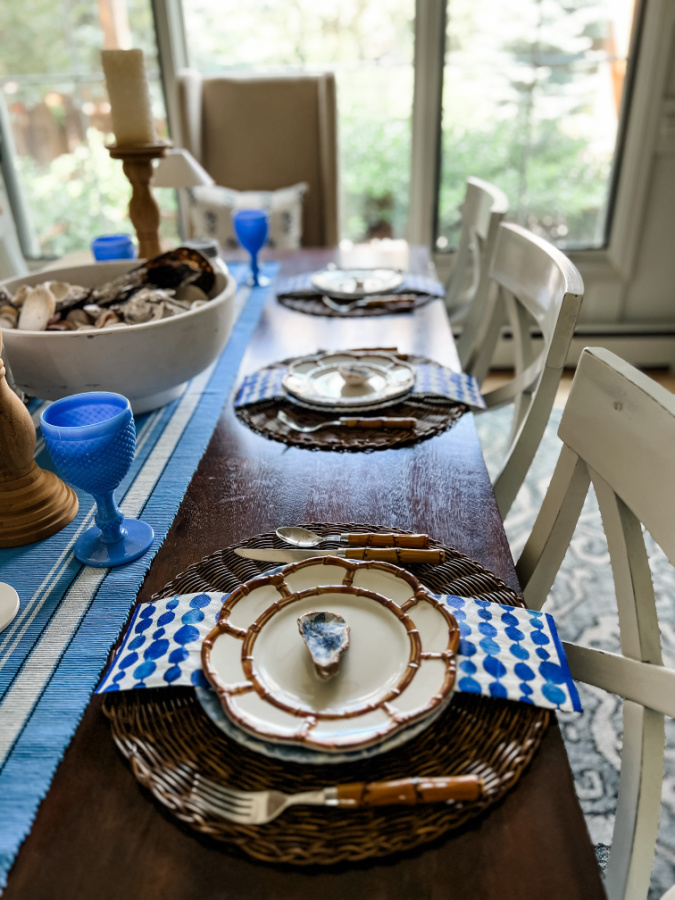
(52, 655)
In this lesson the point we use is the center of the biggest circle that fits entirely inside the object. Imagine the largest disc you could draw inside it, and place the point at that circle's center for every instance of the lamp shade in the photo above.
(179, 169)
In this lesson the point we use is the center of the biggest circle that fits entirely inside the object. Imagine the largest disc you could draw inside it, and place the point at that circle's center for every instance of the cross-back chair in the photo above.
(618, 433)
(483, 210)
(531, 284)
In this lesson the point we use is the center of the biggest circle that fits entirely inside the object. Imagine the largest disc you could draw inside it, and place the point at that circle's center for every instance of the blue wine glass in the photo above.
(92, 440)
(251, 227)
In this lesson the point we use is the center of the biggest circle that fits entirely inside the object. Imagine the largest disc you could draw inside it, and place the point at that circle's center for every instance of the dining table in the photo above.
(99, 834)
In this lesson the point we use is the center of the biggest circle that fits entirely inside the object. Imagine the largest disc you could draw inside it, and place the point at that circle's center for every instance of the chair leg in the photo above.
(639, 805)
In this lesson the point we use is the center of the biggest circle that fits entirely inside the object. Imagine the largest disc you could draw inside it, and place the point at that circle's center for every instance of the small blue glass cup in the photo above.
(113, 246)
(251, 227)
(92, 440)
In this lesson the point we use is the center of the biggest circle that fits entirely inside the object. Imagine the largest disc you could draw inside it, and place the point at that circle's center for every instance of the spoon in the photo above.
(303, 537)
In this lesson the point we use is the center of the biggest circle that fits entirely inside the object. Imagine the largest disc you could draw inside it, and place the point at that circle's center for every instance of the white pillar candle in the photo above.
(129, 97)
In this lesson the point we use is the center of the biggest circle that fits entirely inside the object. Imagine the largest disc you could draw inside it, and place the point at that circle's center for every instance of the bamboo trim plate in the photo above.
(400, 666)
(353, 284)
(319, 381)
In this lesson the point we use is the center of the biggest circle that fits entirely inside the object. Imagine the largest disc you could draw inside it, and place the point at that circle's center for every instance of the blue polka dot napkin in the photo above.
(431, 380)
(504, 651)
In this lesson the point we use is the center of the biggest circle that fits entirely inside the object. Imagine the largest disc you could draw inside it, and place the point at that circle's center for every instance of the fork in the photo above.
(393, 300)
(259, 807)
(347, 422)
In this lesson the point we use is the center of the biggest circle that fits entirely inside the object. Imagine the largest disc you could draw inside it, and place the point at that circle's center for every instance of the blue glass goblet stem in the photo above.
(251, 227)
(92, 439)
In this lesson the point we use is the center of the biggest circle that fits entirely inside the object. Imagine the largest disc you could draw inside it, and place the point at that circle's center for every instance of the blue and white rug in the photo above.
(583, 604)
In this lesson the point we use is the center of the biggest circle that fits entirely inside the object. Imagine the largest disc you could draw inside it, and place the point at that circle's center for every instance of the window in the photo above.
(58, 117)
(532, 94)
(369, 46)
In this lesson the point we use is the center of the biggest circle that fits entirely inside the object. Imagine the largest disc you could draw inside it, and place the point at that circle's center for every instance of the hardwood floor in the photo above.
(497, 377)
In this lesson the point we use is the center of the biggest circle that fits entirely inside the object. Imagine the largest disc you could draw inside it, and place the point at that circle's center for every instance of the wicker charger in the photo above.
(314, 306)
(158, 730)
(432, 418)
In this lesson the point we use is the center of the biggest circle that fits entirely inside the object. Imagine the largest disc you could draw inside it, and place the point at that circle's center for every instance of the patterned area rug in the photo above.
(584, 607)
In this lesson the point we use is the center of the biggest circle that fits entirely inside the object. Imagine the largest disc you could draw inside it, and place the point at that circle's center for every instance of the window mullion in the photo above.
(426, 119)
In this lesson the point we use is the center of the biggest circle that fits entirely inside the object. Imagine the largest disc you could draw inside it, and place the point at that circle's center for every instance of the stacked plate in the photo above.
(392, 648)
(355, 381)
(354, 284)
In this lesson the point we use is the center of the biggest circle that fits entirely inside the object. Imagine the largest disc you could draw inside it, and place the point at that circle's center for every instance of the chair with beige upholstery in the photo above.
(483, 211)
(266, 133)
(618, 433)
(532, 284)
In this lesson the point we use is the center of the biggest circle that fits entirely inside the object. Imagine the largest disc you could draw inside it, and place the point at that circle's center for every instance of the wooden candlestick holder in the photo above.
(34, 503)
(143, 209)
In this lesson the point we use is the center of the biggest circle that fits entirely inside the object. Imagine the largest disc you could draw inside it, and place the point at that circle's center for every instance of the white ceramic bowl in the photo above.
(147, 363)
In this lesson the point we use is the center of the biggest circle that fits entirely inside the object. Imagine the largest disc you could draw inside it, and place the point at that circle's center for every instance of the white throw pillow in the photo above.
(212, 206)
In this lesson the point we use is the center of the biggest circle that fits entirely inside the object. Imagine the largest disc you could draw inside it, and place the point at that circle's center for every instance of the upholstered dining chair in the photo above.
(531, 283)
(618, 433)
(483, 210)
(266, 133)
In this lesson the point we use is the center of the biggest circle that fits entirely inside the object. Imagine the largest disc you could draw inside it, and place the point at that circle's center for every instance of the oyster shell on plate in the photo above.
(326, 636)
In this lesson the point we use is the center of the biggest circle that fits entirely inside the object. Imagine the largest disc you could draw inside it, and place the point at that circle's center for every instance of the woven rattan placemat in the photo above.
(432, 418)
(158, 730)
(314, 306)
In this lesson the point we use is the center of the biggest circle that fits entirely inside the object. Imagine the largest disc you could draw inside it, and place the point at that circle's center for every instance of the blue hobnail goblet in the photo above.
(92, 440)
(251, 227)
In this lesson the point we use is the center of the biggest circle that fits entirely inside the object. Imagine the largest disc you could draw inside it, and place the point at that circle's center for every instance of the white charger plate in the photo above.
(316, 381)
(352, 284)
(398, 671)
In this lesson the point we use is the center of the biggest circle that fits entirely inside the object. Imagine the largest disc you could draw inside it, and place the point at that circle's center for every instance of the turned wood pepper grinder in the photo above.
(34, 503)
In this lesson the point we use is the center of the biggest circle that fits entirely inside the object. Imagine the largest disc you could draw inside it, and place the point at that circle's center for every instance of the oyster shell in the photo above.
(168, 285)
(326, 636)
(8, 316)
(37, 308)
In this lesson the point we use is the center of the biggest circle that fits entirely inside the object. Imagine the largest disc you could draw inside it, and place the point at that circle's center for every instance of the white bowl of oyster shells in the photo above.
(138, 329)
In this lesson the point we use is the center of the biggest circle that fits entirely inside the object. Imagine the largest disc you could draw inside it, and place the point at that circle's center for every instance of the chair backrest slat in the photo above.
(624, 428)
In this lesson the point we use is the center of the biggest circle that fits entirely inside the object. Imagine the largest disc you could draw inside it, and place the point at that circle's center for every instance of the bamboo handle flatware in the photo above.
(388, 422)
(259, 807)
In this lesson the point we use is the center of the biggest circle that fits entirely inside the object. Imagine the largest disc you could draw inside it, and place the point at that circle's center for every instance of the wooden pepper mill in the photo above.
(34, 503)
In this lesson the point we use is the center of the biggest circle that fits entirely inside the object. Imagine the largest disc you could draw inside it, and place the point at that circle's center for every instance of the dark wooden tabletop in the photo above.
(99, 835)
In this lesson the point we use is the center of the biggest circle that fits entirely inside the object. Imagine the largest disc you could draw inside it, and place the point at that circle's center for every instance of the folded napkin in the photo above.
(301, 286)
(432, 381)
(504, 651)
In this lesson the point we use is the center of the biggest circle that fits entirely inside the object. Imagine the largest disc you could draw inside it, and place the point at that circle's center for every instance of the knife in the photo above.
(383, 554)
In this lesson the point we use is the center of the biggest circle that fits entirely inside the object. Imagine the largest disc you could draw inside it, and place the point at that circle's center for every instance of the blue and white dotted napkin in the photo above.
(432, 381)
(301, 286)
(504, 651)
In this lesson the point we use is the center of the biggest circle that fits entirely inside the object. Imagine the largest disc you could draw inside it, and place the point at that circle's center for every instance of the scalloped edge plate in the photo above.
(400, 667)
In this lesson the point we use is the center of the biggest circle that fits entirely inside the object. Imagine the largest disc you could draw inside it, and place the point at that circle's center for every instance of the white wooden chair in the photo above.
(483, 210)
(618, 433)
(532, 284)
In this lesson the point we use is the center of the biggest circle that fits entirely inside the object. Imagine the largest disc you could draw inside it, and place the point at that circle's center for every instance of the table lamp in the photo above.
(179, 169)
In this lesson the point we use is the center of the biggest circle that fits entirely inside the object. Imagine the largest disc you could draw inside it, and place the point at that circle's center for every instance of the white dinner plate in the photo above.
(211, 705)
(352, 284)
(9, 604)
(398, 670)
(325, 380)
